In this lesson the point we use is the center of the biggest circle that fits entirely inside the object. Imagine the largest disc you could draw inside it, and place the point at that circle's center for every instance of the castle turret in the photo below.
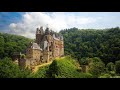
(41, 29)
(39, 34)
(47, 32)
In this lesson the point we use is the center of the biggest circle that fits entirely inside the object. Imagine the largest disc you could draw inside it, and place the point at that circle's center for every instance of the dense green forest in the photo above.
(8, 45)
(8, 69)
(98, 49)
(83, 43)
(12, 43)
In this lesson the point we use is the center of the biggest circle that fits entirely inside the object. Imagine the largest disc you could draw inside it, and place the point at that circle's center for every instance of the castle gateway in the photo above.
(47, 46)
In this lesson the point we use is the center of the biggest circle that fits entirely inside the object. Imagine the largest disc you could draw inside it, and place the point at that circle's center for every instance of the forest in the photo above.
(12, 43)
(97, 48)
(84, 43)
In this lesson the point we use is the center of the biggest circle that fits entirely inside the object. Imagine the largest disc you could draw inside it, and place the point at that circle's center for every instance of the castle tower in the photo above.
(46, 52)
(39, 34)
(47, 32)
(33, 53)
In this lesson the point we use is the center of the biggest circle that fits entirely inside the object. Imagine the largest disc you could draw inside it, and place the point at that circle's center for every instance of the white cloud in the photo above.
(12, 25)
(56, 21)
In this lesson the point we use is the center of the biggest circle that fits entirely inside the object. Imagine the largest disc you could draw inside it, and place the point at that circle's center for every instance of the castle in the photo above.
(47, 46)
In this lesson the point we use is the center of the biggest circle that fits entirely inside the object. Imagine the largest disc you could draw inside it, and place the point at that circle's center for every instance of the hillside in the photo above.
(83, 43)
(61, 68)
(12, 43)
(66, 67)
(97, 49)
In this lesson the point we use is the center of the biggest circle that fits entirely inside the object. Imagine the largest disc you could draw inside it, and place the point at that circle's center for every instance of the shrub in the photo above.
(8, 69)
(110, 66)
(117, 67)
(85, 75)
(84, 61)
(66, 68)
(41, 73)
(96, 67)
(95, 59)
(112, 73)
(53, 69)
(105, 76)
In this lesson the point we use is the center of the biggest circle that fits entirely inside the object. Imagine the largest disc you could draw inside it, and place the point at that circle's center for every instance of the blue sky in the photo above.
(25, 23)
(8, 17)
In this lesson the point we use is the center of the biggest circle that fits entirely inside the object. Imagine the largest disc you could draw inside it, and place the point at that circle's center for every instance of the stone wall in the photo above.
(29, 53)
(46, 56)
(36, 54)
(22, 62)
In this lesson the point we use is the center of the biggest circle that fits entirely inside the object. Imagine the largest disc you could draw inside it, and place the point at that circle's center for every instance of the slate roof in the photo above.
(35, 46)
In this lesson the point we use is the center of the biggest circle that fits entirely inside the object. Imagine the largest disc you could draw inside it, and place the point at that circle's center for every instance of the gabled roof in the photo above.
(35, 46)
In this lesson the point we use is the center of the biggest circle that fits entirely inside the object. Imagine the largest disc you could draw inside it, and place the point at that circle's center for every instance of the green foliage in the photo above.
(84, 61)
(53, 69)
(66, 68)
(88, 46)
(112, 73)
(110, 66)
(117, 67)
(1, 47)
(104, 44)
(25, 73)
(22, 55)
(116, 77)
(95, 59)
(96, 67)
(12, 43)
(86, 75)
(105, 76)
(41, 73)
(10, 70)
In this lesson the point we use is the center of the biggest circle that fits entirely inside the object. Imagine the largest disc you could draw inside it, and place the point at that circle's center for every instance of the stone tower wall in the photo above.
(29, 53)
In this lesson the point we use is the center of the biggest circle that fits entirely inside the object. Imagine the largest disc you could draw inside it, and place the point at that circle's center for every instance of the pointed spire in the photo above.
(37, 31)
(47, 31)
(41, 28)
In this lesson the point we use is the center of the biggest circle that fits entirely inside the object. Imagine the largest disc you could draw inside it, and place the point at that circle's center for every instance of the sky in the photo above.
(25, 23)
